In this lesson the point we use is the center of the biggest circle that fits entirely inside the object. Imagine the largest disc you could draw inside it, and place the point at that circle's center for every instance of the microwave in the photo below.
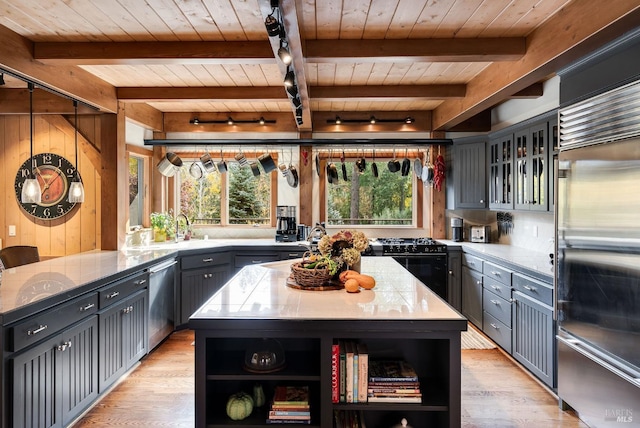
(481, 234)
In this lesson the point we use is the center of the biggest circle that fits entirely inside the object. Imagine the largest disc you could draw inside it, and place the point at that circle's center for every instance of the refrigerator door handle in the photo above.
(578, 346)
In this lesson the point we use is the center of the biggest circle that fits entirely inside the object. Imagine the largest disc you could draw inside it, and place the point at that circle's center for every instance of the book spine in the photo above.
(356, 372)
(363, 372)
(349, 374)
(335, 373)
(288, 413)
(342, 370)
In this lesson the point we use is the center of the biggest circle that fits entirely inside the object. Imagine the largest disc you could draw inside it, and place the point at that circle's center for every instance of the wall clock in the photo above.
(54, 173)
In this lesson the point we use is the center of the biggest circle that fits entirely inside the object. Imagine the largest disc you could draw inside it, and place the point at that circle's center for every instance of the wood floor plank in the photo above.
(496, 392)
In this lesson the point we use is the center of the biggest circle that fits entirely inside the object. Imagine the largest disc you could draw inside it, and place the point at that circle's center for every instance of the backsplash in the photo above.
(534, 231)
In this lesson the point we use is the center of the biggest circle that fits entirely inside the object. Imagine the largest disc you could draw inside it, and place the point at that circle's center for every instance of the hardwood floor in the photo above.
(160, 393)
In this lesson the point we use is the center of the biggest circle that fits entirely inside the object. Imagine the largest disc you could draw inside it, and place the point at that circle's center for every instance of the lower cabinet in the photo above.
(198, 285)
(123, 337)
(534, 337)
(454, 279)
(56, 380)
(472, 295)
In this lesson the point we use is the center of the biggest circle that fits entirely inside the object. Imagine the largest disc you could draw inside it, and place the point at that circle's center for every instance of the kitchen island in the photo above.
(400, 318)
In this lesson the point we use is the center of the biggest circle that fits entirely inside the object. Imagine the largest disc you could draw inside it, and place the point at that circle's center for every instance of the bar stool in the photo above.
(19, 255)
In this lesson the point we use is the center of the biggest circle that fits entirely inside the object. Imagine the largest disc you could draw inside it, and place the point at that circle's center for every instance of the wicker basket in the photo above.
(309, 277)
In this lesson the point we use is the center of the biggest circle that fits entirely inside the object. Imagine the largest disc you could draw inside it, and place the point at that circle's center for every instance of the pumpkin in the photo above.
(239, 406)
(258, 395)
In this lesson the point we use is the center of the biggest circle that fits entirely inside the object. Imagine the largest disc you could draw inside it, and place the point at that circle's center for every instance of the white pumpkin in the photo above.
(239, 406)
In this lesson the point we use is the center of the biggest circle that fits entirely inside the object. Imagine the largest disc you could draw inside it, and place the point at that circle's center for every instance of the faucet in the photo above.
(186, 219)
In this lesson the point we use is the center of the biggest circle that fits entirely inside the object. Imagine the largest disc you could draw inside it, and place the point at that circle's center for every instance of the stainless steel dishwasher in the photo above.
(161, 301)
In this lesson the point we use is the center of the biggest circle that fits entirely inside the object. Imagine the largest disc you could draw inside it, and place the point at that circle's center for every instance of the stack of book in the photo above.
(393, 381)
(290, 405)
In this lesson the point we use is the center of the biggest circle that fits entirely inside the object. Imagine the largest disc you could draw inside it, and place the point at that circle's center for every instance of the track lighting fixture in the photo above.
(372, 120)
(290, 77)
(299, 116)
(296, 102)
(231, 121)
(292, 90)
(272, 24)
(283, 52)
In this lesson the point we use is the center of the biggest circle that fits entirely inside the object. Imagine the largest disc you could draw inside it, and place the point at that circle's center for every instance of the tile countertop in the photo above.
(260, 292)
(536, 262)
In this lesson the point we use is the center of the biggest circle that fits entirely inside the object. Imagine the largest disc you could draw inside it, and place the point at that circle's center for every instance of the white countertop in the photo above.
(260, 292)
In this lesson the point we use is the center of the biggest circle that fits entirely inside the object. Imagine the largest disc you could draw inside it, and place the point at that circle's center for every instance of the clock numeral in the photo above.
(60, 209)
(24, 173)
(34, 208)
(70, 172)
(47, 212)
(46, 158)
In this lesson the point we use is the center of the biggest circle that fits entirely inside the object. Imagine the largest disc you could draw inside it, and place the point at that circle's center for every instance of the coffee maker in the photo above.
(456, 229)
(286, 229)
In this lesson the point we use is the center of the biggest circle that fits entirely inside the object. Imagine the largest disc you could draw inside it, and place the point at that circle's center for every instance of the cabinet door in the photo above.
(534, 337)
(454, 280)
(472, 296)
(79, 368)
(198, 286)
(36, 386)
(531, 169)
(500, 173)
(470, 172)
(123, 337)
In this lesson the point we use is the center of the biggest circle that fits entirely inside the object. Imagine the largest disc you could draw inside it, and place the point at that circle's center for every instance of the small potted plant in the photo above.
(162, 224)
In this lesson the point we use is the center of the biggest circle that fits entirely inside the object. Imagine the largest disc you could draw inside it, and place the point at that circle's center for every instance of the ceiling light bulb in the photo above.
(195, 121)
(284, 54)
(229, 121)
(372, 120)
(409, 119)
(289, 78)
(31, 191)
(76, 192)
(338, 120)
(261, 120)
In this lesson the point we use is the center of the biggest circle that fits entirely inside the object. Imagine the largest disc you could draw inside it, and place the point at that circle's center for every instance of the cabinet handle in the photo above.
(112, 295)
(209, 260)
(495, 287)
(451, 272)
(207, 275)
(256, 261)
(495, 273)
(494, 326)
(86, 308)
(64, 346)
(140, 282)
(37, 330)
(482, 201)
(471, 263)
(495, 302)
(294, 255)
(526, 287)
(479, 282)
(127, 310)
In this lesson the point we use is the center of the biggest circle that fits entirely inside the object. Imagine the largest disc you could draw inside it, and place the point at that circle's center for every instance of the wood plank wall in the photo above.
(79, 230)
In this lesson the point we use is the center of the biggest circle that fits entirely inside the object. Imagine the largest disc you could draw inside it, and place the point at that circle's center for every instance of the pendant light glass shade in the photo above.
(31, 191)
(76, 189)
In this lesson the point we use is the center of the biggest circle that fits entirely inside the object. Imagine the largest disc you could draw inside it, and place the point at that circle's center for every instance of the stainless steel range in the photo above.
(425, 258)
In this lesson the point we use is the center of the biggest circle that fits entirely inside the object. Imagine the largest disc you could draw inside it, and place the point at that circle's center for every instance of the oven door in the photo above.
(430, 269)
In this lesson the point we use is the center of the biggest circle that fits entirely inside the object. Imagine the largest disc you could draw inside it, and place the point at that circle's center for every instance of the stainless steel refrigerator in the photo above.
(598, 267)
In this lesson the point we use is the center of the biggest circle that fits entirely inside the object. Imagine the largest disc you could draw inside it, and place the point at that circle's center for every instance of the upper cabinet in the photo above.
(468, 189)
(531, 148)
(501, 173)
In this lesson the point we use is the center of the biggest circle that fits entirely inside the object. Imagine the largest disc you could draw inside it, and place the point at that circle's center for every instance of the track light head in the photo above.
(289, 78)
(283, 53)
(338, 120)
(408, 119)
(229, 120)
(372, 120)
(292, 91)
(261, 121)
(195, 121)
(273, 26)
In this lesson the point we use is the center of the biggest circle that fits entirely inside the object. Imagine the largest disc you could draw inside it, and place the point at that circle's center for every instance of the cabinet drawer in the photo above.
(533, 288)
(497, 287)
(472, 262)
(204, 260)
(255, 259)
(292, 254)
(119, 290)
(497, 306)
(51, 321)
(497, 272)
(500, 333)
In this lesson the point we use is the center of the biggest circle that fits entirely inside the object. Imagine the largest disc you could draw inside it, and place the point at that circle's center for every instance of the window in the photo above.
(136, 191)
(368, 200)
(235, 197)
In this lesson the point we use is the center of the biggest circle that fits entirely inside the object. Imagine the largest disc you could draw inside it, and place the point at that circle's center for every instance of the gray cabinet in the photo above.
(501, 173)
(496, 304)
(454, 279)
(469, 175)
(123, 327)
(201, 276)
(56, 380)
(531, 156)
(534, 328)
(472, 294)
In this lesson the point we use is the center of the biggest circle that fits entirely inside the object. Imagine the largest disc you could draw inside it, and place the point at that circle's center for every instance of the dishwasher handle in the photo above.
(162, 266)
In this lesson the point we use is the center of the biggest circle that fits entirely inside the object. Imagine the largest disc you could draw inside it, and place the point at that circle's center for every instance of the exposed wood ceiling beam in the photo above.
(248, 93)
(16, 56)
(16, 101)
(110, 53)
(555, 44)
(259, 52)
(144, 115)
(413, 50)
(386, 93)
(181, 122)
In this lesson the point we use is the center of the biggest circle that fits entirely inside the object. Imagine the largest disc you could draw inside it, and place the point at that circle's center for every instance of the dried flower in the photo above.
(345, 246)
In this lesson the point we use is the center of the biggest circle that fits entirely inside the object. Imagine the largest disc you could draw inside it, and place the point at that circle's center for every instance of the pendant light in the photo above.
(31, 191)
(76, 189)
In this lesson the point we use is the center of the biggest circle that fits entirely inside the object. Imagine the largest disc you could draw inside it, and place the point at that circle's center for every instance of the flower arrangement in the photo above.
(162, 224)
(344, 247)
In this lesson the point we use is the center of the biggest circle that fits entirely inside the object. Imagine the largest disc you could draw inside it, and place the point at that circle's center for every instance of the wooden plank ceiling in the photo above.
(353, 58)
